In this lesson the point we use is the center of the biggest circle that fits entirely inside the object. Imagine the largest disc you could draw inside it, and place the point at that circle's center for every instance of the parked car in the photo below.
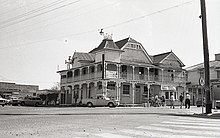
(31, 101)
(15, 101)
(100, 101)
(199, 102)
(218, 104)
(2, 101)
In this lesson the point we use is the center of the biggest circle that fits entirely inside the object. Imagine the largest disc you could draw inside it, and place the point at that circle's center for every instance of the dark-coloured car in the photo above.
(32, 101)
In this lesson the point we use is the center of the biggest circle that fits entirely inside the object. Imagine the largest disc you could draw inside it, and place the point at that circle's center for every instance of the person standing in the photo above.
(172, 98)
(181, 100)
(187, 101)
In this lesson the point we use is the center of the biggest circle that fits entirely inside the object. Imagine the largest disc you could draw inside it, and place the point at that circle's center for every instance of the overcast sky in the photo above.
(36, 36)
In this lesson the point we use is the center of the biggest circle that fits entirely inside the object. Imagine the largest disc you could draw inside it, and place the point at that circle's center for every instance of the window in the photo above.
(141, 70)
(63, 76)
(92, 69)
(218, 74)
(76, 72)
(124, 69)
(69, 74)
(126, 89)
(167, 95)
(83, 71)
(111, 86)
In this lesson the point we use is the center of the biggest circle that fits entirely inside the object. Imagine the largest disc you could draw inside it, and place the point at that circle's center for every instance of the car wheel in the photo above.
(111, 105)
(89, 104)
(37, 104)
(22, 103)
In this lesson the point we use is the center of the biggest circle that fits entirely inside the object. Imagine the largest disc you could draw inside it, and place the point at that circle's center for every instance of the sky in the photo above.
(37, 36)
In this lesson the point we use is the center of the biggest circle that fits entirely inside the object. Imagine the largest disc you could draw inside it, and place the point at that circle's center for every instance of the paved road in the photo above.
(105, 122)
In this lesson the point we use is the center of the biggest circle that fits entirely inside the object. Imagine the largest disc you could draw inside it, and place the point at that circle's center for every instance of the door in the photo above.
(137, 95)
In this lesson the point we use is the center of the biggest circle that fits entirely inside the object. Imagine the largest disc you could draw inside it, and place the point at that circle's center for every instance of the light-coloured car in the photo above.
(2, 101)
(100, 101)
(218, 104)
(31, 101)
(16, 101)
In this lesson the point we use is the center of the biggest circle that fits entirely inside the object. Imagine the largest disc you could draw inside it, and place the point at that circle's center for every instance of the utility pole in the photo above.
(206, 58)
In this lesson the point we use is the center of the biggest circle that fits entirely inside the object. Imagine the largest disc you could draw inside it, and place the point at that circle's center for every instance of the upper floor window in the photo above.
(76, 72)
(69, 74)
(92, 69)
(83, 71)
(124, 69)
(134, 46)
(218, 74)
(63, 76)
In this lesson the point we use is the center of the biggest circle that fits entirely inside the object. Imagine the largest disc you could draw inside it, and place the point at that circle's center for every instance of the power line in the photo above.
(145, 15)
(54, 23)
(32, 11)
(110, 26)
(28, 18)
(26, 5)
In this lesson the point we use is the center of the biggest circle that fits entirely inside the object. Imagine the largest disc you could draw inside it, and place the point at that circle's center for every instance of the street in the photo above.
(104, 122)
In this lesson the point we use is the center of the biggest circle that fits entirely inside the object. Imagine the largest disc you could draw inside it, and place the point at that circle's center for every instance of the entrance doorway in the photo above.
(137, 94)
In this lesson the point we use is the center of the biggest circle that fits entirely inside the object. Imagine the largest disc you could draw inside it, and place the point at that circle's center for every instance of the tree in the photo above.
(56, 86)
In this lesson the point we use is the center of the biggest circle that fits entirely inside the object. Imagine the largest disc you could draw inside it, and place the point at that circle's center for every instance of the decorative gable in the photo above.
(134, 51)
(168, 59)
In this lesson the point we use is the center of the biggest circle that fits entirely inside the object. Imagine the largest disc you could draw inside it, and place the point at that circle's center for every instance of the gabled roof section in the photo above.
(161, 57)
(122, 42)
(84, 56)
(158, 58)
(106, 44)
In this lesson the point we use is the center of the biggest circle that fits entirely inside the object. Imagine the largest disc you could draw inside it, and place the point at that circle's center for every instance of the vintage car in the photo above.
(218, 104)
(100, 100)
(14, 101)
(2, 101)
(31, 101)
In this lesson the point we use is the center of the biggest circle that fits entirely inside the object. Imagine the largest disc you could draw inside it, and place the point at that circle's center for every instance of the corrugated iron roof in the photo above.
(84, 56)
(158, 58)
(212, 64)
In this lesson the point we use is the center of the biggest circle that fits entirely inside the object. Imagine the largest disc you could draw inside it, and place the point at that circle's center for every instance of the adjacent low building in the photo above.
(122, 70)
(8, 89)
(195, 72)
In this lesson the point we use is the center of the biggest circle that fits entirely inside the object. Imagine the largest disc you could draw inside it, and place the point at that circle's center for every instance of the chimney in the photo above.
(217, 57)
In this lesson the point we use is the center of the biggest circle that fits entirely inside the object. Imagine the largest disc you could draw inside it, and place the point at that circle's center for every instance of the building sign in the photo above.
(168, 88)
(111, 74)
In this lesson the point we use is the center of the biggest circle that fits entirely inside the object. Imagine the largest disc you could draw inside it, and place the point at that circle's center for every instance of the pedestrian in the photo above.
(172, 99)
(156, 100)
(187, 101)
(163, 101)
(181, 100)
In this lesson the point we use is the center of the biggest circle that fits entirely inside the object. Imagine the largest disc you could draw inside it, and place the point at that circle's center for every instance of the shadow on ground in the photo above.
(212, 116)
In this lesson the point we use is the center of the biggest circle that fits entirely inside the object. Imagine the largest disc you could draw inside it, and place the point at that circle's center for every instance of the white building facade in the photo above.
(122, 70)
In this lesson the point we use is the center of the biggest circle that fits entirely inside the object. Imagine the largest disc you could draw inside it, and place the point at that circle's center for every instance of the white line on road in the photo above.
(183, 132)
(147, 133)
(191, 123)
(188, 127)
(110, 135)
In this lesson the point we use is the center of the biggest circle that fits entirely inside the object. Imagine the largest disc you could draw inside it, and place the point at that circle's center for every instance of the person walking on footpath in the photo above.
(187, 101)
(172, 99)
(181, 100)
